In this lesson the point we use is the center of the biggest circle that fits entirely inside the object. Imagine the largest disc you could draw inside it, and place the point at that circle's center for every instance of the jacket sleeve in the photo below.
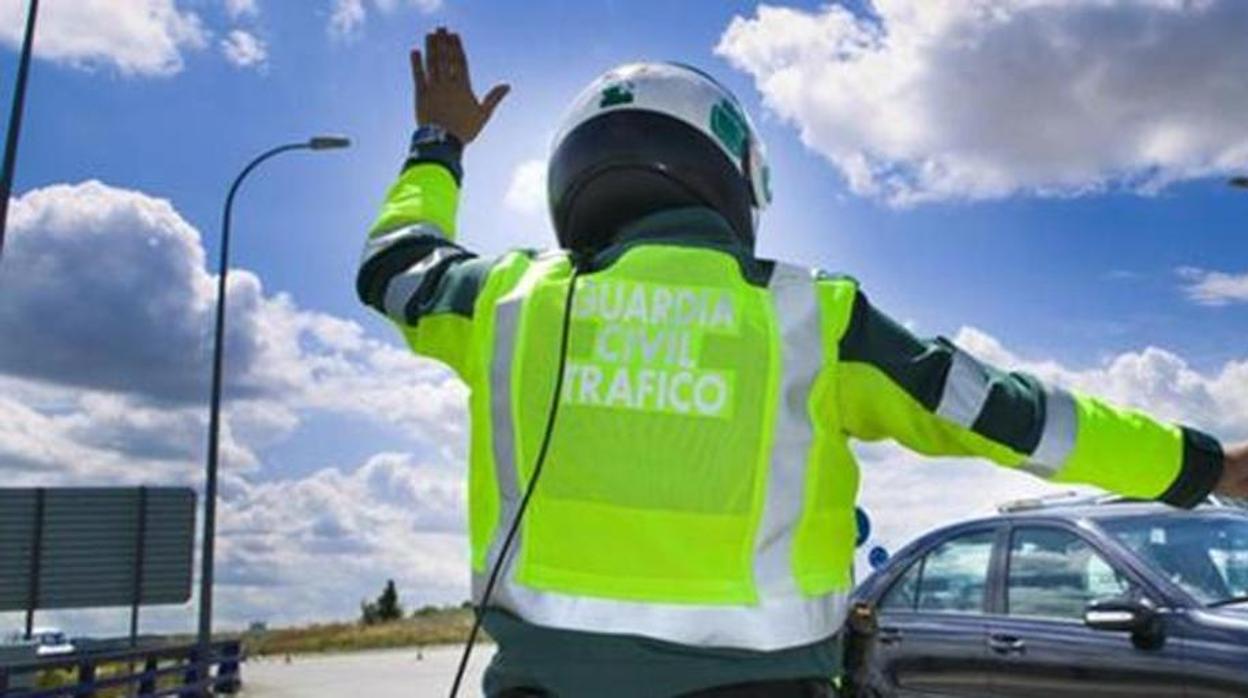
(939, 400)
(412, 270)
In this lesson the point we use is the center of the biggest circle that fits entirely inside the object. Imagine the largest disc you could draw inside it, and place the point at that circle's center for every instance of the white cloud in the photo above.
(1214, 287)
(106, 309)
(527, 192)
(236, 9)
(107, 354)
(244, 49)
(347, 17)
(137, 320)
(136, 37)
(349, 531)
(975, 99)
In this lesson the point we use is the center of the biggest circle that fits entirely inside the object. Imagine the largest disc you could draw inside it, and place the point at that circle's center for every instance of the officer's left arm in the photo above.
(937, 399)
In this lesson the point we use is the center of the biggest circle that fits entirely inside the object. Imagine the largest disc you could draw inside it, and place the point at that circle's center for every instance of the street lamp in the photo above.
(323, 142)
(15, 119)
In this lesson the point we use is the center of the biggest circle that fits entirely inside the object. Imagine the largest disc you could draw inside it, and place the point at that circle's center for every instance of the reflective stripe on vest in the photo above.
(783, 616)
(506, 327)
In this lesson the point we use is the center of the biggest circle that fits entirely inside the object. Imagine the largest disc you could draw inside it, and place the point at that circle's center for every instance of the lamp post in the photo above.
(15, 119)
(214, 414)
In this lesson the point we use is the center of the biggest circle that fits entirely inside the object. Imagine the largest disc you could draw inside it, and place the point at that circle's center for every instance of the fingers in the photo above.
(444, 57)
(457, 63)
(433, 54)
(418, 72)
(493, 97)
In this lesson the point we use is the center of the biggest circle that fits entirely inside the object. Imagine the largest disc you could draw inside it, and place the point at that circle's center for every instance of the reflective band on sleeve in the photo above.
(402, 287)
(801, 356)
(380, 243)
(1058, 438)
(771, 624)
(966, 390)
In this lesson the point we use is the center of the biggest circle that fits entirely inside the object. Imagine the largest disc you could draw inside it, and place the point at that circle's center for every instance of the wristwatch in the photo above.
(433, 143)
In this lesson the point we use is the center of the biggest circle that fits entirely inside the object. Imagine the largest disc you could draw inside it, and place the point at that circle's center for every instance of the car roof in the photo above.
(1092, 511)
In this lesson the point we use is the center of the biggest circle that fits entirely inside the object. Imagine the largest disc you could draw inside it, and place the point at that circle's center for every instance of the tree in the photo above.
(385, 609)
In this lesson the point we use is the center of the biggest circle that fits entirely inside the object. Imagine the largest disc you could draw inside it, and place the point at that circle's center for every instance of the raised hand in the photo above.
(1234, 482)
(444, 94)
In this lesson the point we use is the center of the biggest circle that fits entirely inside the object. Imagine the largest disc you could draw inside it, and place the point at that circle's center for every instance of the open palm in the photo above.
(443, 88)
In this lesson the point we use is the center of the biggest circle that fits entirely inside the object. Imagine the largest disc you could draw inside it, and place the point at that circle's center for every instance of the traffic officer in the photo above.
(688, 405)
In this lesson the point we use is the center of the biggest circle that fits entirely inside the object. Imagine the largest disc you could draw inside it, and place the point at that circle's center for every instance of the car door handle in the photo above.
(889, 636)
(1006, 644)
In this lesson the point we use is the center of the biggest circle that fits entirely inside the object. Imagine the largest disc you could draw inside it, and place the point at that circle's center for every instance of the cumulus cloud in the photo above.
(244, 49)
(136, 37)
(527, 192)
(1152, 379)
(977, 99)
(347, 17)
(105, 289)
(237, 9)
(106, 309)
(1214, 287)
(391, 517)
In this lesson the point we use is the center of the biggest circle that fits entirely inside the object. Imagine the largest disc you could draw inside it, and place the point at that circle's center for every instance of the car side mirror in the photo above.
(1125, 616)
(1118, 615)
(863, 619)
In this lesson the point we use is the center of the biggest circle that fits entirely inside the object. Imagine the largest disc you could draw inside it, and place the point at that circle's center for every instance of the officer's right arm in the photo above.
(412, 270)
(936, 399)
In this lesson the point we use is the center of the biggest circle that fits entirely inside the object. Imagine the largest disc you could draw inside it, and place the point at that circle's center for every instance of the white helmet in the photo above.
(649, 136)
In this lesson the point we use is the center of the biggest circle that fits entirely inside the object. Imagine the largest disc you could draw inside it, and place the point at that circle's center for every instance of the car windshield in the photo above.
(1206, 555)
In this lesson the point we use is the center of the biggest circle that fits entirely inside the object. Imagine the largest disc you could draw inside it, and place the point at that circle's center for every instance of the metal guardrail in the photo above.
(181, 662)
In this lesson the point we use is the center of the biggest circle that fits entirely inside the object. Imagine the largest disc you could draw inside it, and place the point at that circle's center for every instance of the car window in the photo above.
(955, 574)
(902, 594)
(1207, 555)
(1054, 573)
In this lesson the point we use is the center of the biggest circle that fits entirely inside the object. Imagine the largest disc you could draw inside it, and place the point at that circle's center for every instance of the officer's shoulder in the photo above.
(781, 271)
(525, 256)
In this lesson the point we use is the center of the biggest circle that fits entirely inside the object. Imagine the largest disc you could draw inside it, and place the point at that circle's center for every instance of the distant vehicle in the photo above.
(1092, 598)
(48, 642)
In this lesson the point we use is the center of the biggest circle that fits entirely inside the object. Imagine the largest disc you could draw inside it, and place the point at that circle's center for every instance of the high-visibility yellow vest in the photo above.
(700, 487)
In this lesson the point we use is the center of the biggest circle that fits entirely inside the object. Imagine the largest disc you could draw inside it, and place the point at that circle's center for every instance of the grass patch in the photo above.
(429, 626)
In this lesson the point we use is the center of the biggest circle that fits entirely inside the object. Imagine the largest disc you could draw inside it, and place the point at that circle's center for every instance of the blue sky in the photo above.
(1064, 221)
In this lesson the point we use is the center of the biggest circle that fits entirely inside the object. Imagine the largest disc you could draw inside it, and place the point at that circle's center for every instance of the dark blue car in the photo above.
(1106, 599)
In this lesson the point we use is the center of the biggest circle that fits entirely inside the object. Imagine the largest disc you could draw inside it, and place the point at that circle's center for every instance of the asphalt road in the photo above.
(377, 674)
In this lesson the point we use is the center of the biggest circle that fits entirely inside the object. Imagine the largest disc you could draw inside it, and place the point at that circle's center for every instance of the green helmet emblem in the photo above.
(619, 93)
(729, 127)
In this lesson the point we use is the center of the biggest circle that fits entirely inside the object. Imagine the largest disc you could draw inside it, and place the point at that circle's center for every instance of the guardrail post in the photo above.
(228, 680)
(86, 680)
(147, 684)
(190, 677)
